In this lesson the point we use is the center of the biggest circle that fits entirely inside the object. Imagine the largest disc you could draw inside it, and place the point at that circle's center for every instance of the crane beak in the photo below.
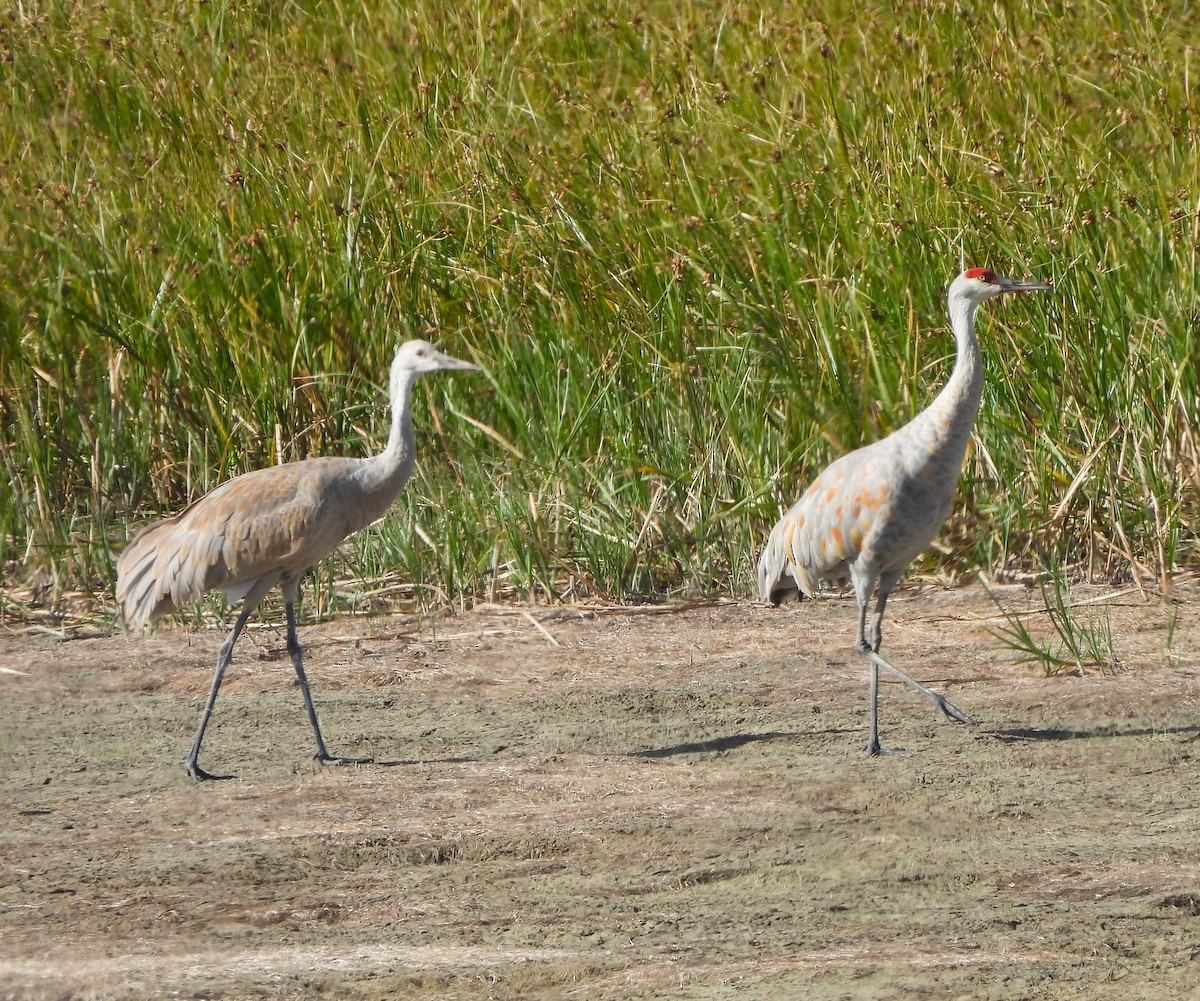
(445, 361)
(1012, 285)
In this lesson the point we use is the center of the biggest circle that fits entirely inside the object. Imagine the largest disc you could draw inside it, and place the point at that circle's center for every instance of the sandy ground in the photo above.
(597, 803)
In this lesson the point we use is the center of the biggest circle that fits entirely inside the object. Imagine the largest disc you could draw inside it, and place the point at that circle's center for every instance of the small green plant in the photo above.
(1169, 656)
(1076, 643)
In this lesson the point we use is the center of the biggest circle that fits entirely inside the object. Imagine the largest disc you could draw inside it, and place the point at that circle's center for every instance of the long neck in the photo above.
(386, 473)
(952, 414)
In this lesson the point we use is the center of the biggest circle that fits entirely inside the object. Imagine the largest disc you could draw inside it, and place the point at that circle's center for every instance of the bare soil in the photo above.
(605, 804)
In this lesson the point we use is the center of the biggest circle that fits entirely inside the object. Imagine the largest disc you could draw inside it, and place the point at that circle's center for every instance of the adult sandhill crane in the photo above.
(268, 527)
(873, 510)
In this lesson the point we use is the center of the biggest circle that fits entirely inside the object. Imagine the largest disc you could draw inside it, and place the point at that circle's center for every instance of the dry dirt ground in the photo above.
(607, 803)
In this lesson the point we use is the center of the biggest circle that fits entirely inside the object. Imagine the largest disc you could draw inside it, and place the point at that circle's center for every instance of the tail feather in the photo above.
(776, 583)
(144, 588)
(171, 564)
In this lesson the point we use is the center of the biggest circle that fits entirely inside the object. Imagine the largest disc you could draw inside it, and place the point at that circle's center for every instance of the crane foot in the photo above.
(200, 775)
(328, 759)
(951, 713)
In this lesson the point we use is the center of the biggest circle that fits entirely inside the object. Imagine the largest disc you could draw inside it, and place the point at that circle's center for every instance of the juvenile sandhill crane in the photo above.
(268, 527)
(873, 510)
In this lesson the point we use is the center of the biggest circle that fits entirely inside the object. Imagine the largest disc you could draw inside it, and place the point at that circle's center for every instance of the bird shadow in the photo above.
(461, 759)
(1013, 734)
(715, 744)
(1010, 735)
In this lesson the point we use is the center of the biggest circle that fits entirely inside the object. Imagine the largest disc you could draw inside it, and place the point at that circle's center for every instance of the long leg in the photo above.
(868, 646)
(949, 711)
(862, 592)
(872, 747)
(887, 582)
(223, 658)
(293, 645)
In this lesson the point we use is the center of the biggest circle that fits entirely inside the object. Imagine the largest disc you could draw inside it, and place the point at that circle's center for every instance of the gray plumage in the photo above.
(873, 510)
(267, 527)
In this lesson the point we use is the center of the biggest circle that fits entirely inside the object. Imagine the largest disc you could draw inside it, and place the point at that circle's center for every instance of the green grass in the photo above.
(700, 249)
(1079, 641)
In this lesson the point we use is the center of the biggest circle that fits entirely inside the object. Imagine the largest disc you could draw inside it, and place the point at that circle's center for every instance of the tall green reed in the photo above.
(700, 250)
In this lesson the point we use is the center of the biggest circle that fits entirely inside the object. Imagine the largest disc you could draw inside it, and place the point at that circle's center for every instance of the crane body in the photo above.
(268, 524)
(872, 511)
(267, 527)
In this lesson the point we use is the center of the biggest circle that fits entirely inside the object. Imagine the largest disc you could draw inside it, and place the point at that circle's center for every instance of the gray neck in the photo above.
(386, 473)
(952, 413)
(966, 382)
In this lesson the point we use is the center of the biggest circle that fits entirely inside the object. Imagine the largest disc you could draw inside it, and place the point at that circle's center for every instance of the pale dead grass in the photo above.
(618, 804)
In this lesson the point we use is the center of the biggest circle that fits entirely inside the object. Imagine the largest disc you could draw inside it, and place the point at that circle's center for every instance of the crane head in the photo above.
(979, 284)
(421, 356)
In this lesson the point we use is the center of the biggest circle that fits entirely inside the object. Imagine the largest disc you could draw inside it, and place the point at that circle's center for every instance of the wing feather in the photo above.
(825, 531)
(272, 522)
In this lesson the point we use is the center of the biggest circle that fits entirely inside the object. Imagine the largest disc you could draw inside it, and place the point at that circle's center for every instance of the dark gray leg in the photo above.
(293, 645)
(223, 658)
(868, 646)
(872, 747)
(949, 711)
(886, 583)
(863, 646)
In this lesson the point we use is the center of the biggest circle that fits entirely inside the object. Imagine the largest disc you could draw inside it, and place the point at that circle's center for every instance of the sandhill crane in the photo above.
(268, 527)
(873, 510)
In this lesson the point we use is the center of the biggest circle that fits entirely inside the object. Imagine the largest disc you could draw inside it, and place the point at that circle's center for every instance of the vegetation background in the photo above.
(700, 249)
